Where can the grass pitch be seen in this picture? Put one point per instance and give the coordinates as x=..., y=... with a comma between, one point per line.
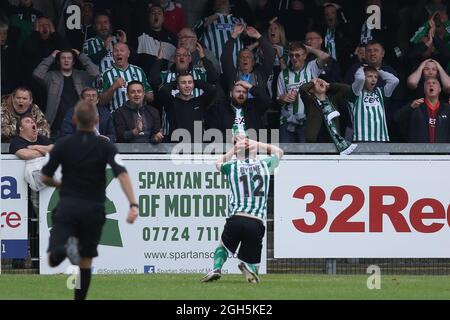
x=229, y=287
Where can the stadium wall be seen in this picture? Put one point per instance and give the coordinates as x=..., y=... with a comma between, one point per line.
x=396, y=264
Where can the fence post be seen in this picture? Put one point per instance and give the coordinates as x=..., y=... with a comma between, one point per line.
x=331, y=266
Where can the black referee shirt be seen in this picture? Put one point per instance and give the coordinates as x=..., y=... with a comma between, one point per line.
x=83, y=158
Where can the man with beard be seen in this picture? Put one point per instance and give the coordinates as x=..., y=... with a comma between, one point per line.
x=64, y=85
x=239, y=114
x=100, y=48
x=184, y=109
x=135, y=121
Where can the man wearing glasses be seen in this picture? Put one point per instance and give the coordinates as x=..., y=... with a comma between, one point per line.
x=289, y=81
x=188, y=39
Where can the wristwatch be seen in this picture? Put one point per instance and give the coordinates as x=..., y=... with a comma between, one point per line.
x=134, y=205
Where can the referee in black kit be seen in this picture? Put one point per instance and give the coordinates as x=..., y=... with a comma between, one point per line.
x=80, y=214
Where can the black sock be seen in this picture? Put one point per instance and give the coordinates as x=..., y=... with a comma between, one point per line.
x=57, y=256
x=85, y=280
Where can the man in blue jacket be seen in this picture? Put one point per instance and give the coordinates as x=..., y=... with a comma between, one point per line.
x=105, y=127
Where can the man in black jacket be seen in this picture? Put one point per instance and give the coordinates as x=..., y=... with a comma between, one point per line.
x=11, y=70
x=22, y=18
x=184, y=109
x=338, y=35
x=41, y=43
x=426, y=120
x=136, y=122
x=332, y=70
x=239, y=114
x=154, y=32
x=183, y=64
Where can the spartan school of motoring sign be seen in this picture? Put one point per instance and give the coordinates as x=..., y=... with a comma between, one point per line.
x=362, y=207
x=183, y=207
x=14, y=209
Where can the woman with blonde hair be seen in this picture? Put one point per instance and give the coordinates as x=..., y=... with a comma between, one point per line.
x=277, y=37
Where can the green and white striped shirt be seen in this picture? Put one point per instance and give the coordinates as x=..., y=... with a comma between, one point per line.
x=249, y=183
x=93, y=46
x=290, y=80
x=216, y=35
x=330, y=42
x=131, y=73
x=239, y=126
x=368, y=115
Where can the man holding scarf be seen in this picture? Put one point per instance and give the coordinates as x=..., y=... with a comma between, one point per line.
x=325, y=106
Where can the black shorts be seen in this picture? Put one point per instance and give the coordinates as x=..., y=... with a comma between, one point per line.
x=83, y=219
x=249, y=233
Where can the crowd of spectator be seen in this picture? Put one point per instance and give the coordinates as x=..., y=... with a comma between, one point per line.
x=238, y=68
